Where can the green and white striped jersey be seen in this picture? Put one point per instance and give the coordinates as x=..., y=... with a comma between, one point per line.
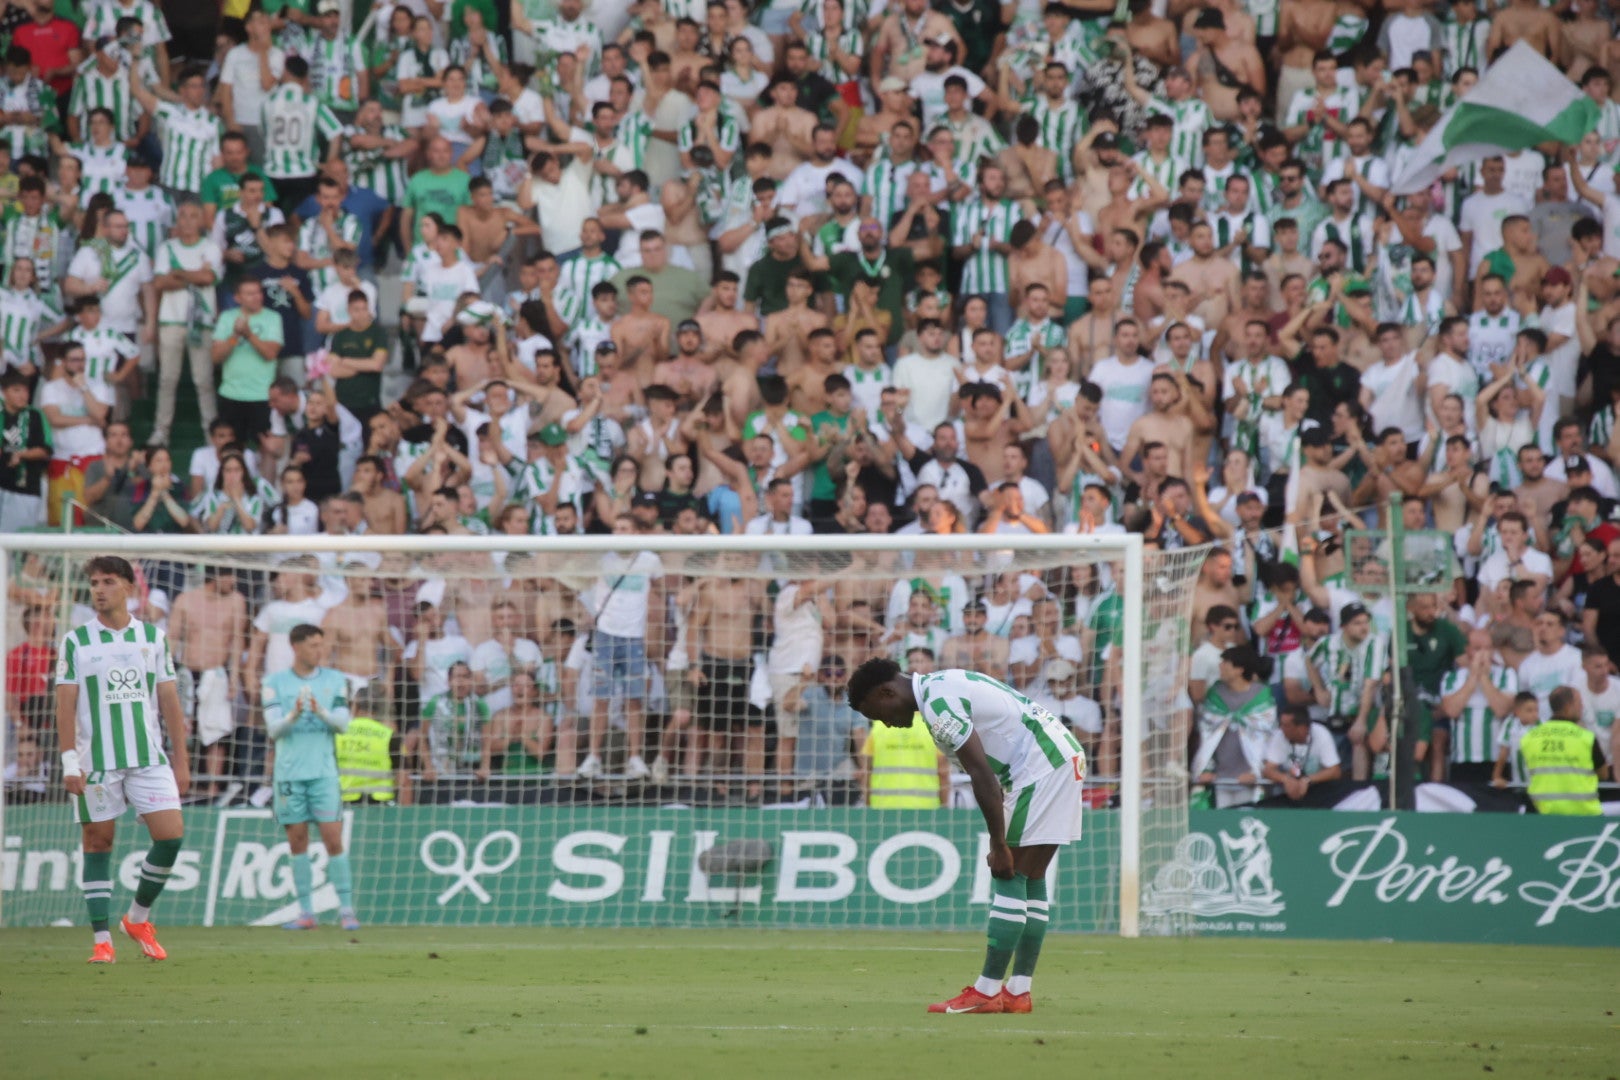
x=1464, y=44
x=1346, y=668
x=190, y=140
x=33, y=97
x=625, y=154
x=1192, y=118
x=22, y=316
x=293, y=118
x=104, y=351
x=1021, y=740
x=373, y=169
x=726, y=133
x=102, y=19
x=118, y=725
x=455, y=730
x=101, y=168
x=1601, y=431
x=820, y=46
x=534, y=480
x=234, y=522
x=313, y=238
x=885, y=184
x=333, y=63
x=150, y=212
x=975, y=139
x=985, y=271
x=93, y=90
x=1062, y=125
x=1254, y=719
x=480, y=72
x=1474, y=731
x=1166, y=172
x=192, y=306
x=38, y=238
x=581, y=274
x=1026, y=337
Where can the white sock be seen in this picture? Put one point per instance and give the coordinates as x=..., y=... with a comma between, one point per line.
x=103, y=937
x=139, y=914
x=1019, y=984
x=987, y=987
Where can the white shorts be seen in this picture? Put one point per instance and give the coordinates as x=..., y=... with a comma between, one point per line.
x=1047, y=811
x=106, y=794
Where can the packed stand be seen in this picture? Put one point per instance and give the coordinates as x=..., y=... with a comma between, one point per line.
x=818, y=268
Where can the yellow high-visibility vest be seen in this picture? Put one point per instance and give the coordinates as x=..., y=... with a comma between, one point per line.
x=905, y=767
x=364, y=764
x=1558, y=759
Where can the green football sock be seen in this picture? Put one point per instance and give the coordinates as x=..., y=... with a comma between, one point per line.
x=304, y=883
x=1006, y=926
x=1029, y=942
x=155, y=870
x=341, y=875
x=98, y=888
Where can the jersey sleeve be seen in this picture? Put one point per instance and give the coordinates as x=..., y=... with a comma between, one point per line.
x=950, y=723
x=165, y=659
x=67, y=667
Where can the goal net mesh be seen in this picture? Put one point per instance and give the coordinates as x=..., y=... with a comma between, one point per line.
x=612, y=737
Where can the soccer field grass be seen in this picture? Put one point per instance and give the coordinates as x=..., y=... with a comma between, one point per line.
x=642, y=1003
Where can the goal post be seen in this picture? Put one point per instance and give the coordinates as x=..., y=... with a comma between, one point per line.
x=1075, y=615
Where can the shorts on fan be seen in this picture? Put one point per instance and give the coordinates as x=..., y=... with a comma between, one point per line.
x=1047, y=811
x=107, y=794
x=298, y=801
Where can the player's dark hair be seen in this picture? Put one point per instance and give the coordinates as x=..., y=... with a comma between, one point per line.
x=110, y=564
x=303, y=632
x=868, y=677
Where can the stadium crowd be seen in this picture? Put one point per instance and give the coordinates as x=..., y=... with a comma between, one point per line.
x=817, y=267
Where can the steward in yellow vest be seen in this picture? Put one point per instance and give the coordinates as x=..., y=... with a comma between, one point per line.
x=1561, y=759
x=904, y=769
x=365, y=764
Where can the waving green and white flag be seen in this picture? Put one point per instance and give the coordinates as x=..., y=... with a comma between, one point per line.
x=1522, y=100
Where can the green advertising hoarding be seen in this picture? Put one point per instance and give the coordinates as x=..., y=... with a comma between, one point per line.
x=1309, y=874
x=567, y=866
x=1411, y=877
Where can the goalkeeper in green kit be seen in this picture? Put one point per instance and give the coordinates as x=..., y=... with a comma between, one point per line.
x=306, y=707
x=1027, y=770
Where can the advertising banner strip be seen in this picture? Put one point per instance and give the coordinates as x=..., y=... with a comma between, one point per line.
x=1309, y=874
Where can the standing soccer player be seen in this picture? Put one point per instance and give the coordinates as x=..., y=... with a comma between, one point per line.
x=1027, y=770
x=306, y=707
x=114, y=676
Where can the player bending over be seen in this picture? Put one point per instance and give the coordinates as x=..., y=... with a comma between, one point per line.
x=1027, y=770
x=306, y=707
x=114, y=678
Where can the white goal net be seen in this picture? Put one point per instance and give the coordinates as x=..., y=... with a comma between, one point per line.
x=634, y=730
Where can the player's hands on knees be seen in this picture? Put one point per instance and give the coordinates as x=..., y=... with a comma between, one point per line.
x=1001, y=862
x=74, y=784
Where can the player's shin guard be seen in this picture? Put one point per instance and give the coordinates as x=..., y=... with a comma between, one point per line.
x=98, y=889
x=1029, y=942
x=155, y=870
x=304, y=883
x=341, y=875
x=1006, y=926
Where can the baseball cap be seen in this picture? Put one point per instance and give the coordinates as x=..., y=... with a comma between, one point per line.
x=1352, y=611
x=1576, y=463
x=553, y=434
x=1316, y=436
x=1556, y=276
x=139, y=161
x=1060, y=669
x=1209, y=19
x=646, y=498
x=942, y=39
x=1357, y=286
x=974, y=605
x=1106, y=141
x=606, y=346
x=891, y=85
x=689, y=324
x=328, y=7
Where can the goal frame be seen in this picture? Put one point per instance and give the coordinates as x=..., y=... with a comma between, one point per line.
x=1126, y=547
